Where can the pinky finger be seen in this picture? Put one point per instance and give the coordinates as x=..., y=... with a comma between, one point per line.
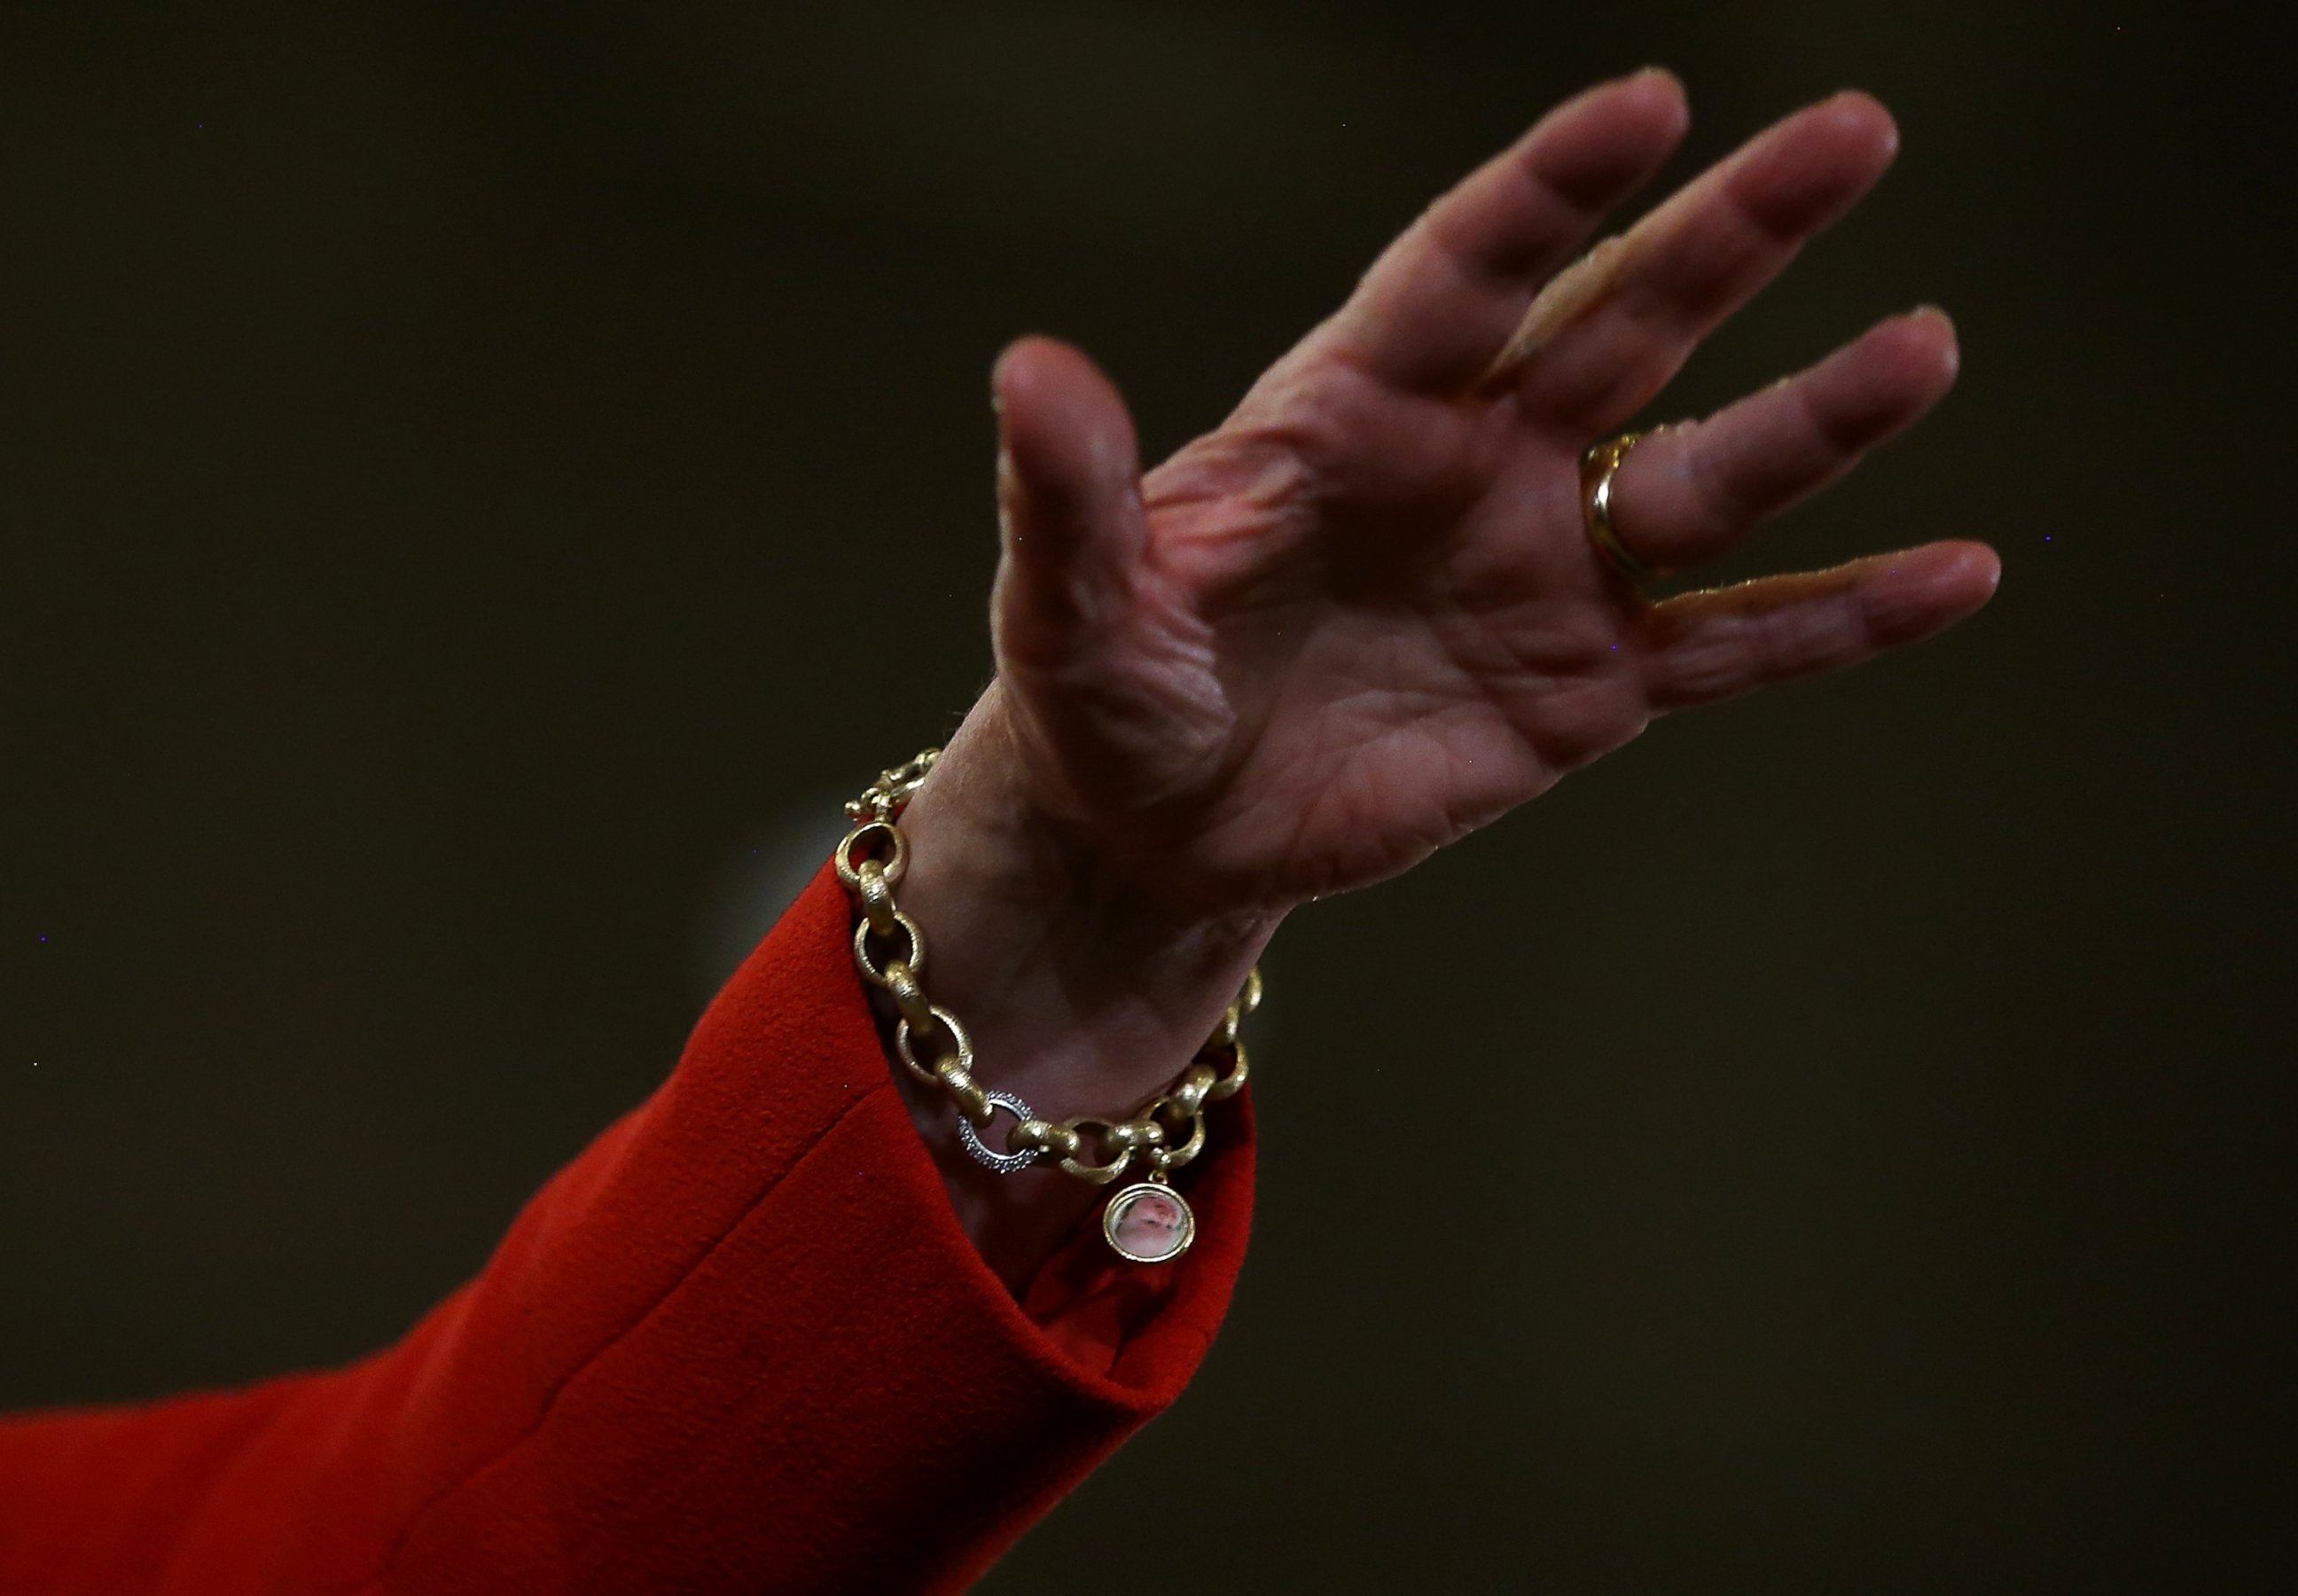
x=1701, y=647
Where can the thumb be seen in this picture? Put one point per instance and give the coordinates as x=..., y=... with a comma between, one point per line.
x=1068, y=501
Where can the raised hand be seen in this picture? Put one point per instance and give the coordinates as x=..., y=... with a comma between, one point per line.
x=1361, y=618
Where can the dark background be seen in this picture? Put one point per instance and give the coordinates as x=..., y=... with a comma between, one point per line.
x=481, y=482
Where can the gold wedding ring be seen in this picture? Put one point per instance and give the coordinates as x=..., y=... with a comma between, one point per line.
x=1598, y=466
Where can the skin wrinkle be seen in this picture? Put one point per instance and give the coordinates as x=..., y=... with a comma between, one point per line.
x=1894, y=617
x=1841, y=429
x=1362, y=761
x=1179, y=685
x=1337, y=807
x=1457, y=446
x=1364, y=568
x=1728, y=268
x=1243, y=470
x=1340, y=752
x=1702, y=667
x=1777, y=644
x=1501, y=274
x=1126, y=711
x=1726, y=508
x=1526, y=654
x=1474, y=648
x=1581, y=204
x=1587, y=196
x=1184, y=648
x=1467, y=266
x=1460, y=264
x=1117, y=1013
x=1661, y=323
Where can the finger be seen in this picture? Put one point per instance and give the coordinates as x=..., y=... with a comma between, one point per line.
x=1706, y=646
x=1690, y=492
x=1608, y=331
x=1440, y=300
x=1068, y=501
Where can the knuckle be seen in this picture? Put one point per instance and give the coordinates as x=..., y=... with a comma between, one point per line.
x=1718, y=505
x=1713, y=662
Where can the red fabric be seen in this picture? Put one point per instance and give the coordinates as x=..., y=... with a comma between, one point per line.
x=740, y=1344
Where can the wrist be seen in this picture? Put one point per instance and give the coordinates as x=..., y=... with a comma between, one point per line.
x=1082, y=993
x=1077, y=983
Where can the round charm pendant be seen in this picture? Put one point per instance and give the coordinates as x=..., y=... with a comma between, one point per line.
x=1148, y=1222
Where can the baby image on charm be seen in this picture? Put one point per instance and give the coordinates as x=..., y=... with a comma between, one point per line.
x=1149, y=1224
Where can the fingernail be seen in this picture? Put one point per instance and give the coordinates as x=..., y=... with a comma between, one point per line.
x=1951, y=351
x=998, y=373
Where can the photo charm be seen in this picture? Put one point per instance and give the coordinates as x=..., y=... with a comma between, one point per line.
x=1148, y=1222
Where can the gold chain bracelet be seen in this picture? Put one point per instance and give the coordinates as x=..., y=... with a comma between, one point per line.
x=1146, y=1222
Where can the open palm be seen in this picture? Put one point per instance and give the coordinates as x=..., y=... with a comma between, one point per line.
x=1363, y=617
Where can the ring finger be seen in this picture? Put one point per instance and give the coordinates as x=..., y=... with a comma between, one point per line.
x=1690, y=492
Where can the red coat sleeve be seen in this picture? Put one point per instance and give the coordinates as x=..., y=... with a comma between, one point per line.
x=739, y=1344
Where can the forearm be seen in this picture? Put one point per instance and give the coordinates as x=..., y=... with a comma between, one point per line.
x=1083, y=992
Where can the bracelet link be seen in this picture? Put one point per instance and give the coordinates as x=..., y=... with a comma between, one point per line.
x=1164, y=1159
x=875, y=889
x=1228, y=1084
x=915, y=958
x=909, y=997
x=1188, y=1094
x=958, y=1082
x=905, y=1049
